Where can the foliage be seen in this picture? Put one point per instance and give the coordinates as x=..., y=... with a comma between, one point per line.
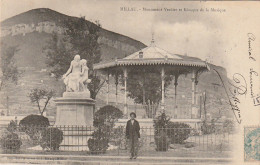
x=161, y=121
x=104, y=121
x=145, y=88
x=162, y=141
x=160, y=133
x=189, y=145
x=229, y=126
x=95, y=85
x=8, y=70
x=32, y=125
x=80, y=37
x=51, y=138
x=98, y=144
x=35, y=121
x=11, y=141
x=178, y=132
x=83, y=37
x=37, y=95
x=12, y=126
x=169, y=132
x=58, y=54
x=107, y=115
x=208, y=128
x=117, y=137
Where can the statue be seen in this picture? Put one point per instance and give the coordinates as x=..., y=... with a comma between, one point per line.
x=84, y=75
x=72, y=76
x=76, y=75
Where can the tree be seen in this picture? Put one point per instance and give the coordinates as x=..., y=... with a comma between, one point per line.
x=39, y=95
x=58, y=54
x=145, y=88
x=8, y=71
x=80, y=37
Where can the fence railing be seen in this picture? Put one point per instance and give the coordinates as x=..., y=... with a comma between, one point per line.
x=113, y=141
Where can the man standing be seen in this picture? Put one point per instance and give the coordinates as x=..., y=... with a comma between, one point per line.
x=132, y=135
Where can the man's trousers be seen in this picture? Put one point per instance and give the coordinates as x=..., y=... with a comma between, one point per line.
x=133, y=145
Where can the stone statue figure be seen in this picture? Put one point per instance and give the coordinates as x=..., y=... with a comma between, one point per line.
x=72, y=76
x=84, y=76
x=76, y=78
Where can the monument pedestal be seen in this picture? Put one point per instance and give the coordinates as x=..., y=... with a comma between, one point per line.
x=75, y=118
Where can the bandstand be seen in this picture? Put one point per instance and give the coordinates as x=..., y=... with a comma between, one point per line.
x=154, y=59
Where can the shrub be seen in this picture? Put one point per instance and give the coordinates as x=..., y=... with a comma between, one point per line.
x=104, y=121
x=161, y=121
x=207, y=128
x=189, y=145
x=174, y=131
x=160, y=135
x=10, y=141
x=228, y=126
x=35, y=120
x=107, y=115
x=117, y=135
x=178, y=132
x=98, y=144
x=32, y=125
x=12, y=126
x=162, y=141
x=51, y=138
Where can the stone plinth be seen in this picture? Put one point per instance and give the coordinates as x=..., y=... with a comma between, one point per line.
x=75, y=118
x=75, y=95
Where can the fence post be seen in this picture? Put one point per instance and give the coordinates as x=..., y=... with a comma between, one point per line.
x=50, y=137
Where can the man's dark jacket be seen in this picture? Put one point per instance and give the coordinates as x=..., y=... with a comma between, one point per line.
x=132, y=130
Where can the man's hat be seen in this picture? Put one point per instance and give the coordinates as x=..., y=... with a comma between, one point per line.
x=132, y=113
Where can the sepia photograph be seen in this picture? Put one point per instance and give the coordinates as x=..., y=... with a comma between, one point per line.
x=129, y=82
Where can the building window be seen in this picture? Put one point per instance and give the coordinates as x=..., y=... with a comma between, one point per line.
x=141, y=55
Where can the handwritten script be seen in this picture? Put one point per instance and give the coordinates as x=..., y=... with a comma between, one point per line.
x=251, y=38
x=237, y=86
x=253, y=74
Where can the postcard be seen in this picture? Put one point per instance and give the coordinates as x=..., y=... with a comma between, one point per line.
x=130, y=82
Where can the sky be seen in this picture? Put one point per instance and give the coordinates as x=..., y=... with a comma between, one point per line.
x=211, y=36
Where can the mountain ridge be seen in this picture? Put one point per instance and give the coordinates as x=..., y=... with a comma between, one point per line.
x=51, y=15
x=44, y=20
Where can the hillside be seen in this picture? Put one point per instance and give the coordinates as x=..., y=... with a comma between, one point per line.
x=32, y=29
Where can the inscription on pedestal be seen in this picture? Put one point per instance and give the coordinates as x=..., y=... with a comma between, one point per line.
x=69, y=117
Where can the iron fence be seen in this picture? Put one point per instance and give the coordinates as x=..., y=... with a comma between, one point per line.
x=164, y=141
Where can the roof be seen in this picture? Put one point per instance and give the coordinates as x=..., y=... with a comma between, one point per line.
x=152, y=55
x=153, y=52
